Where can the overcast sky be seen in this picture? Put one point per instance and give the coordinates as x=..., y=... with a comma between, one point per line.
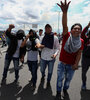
x=41, y=12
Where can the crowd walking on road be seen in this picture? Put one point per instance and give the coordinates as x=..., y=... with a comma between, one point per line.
x=45, y=47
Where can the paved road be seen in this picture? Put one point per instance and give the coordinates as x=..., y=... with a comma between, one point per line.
x=22, y=91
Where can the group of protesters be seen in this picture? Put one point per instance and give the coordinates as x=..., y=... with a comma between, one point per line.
x=74, y=43
x=3, y=39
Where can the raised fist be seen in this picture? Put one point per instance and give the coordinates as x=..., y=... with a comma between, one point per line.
x=11, y=26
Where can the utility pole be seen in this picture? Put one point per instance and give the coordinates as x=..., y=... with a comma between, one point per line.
x=58, y=21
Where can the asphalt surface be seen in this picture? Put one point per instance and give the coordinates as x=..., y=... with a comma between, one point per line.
x=22, y=90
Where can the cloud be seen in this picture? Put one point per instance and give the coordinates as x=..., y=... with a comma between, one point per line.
x=22, y=12
x=25, y=9
x=12, y=1
x=3, y=26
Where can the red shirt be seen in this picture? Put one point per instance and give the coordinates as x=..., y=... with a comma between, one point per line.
x=84, y=37
x=68, y=58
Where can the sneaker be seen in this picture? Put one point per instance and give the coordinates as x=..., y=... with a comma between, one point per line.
x=42, y=79
x=58, y=96
x=83, y=87
x=65, y=92
x=16, y=80
x=3, y=81
x=30, y=80
x=30, y=83
x=33, y=87
x=48, y=84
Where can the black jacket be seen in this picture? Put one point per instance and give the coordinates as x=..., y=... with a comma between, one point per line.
x=86, y=50
x=13, y=44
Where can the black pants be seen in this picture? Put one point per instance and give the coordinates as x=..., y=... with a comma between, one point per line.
x=85, y=67
x=33, y=66
x=40, y=53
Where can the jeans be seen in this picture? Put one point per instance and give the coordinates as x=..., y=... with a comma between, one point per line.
x=64, y=71
x=33, y=66
x=7, y=64
x=44, y=64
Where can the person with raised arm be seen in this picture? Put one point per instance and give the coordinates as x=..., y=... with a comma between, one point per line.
x=72, y=46
x=14, y=52
x=85, y=55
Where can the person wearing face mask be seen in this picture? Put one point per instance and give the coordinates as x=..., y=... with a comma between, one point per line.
x=85, y=55
x=13, y=52
x=32, y=44
x=72, y=46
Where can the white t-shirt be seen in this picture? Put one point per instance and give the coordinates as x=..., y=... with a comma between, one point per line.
x=40, y=38
x=32, y=55
x=16, y=54
x=47, y=53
